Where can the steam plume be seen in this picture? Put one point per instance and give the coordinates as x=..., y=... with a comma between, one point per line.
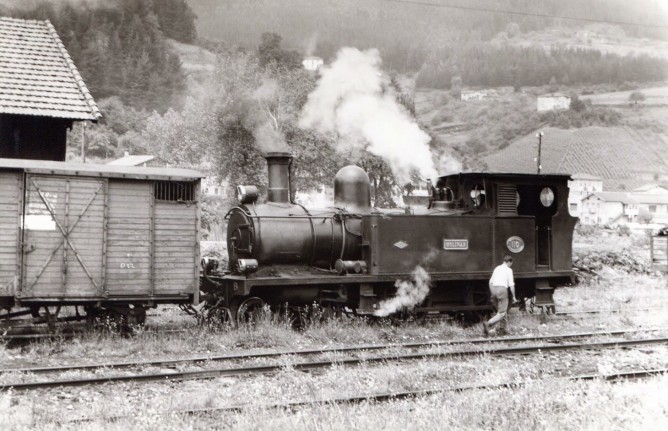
x=409, y=293
x=262, y=119
x=311, y=44
x=353, y=100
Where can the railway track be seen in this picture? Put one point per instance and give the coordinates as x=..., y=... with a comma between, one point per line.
x=389, y=396
x=549, y=346
x=27, y=334
x=396, y=396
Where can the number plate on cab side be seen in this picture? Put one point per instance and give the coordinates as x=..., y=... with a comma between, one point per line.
x=455, y=244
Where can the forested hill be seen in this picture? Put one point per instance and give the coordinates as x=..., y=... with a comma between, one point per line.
x=407, y=32
x=120, y=46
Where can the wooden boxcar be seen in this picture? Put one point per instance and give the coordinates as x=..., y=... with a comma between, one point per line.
x=97, y=235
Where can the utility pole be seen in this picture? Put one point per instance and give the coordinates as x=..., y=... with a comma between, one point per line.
x=539, y=135
x=83, y=142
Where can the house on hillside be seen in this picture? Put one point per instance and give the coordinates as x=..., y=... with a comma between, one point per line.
x=616, y=208
x=312, y=63
x=581, y=186
x=469, y=95
x=654, y=207
x=608, y=209
x=652, y=189
x=212, y=186
x=552, y=102
x=42, y=93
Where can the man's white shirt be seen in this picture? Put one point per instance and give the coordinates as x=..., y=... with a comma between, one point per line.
x=502, y=276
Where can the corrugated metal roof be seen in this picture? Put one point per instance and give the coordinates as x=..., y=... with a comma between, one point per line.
x=132, y=160
x=631, y=198
x=37, y=75
x=644, y=198
x=586, y=177
x=95, y=170
x=624, y=198
x=617, y=155
x=553, y=95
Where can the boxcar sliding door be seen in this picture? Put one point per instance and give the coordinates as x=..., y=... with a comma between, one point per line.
x=130, y=238
x=63, y=230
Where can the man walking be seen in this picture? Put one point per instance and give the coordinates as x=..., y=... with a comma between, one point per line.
x=501, y=281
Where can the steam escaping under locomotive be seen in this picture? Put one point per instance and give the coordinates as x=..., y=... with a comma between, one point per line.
x=356, y=258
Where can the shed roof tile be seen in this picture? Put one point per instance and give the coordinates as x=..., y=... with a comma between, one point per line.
x=37, y=74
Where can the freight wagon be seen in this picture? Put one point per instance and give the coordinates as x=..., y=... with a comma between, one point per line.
x=107, y=238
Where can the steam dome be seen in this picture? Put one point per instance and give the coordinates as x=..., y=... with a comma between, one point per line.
x=352, y=189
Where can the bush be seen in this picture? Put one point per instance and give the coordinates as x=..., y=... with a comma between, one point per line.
x=586, y=229
x=636, y=96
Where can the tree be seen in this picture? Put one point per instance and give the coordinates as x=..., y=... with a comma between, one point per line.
x=636, y=96
x=553, y=84
x=577, y=105
x=270, y=52
x=383, y=183
x=456, y=87
x=177, y=20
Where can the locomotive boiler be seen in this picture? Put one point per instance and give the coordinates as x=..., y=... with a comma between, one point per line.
x=261, y=237
x=352, y=257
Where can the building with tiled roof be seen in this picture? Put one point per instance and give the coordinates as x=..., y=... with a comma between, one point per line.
x=613, y=208
x=608, y=208
x=579, y=187
x=41, y=91
x=623, y=158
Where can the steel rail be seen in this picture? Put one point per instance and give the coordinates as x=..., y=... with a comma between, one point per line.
x=309, y=366
x=635, y=310
x=392, y=396
x=396, y=396
x=345, y=349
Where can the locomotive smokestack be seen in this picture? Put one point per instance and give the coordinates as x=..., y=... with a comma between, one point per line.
x=279, y=178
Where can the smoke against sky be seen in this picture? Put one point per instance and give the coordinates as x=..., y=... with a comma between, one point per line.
x=354, y=101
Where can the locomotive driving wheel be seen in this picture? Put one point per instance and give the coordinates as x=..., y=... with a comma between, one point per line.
x=249, y=310
x=216, y=316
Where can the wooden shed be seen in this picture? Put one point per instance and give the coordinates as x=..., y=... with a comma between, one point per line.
x=42, y=93
x=74, y=233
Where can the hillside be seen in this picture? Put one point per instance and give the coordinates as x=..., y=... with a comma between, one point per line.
x=622, y=157
x=610, y=39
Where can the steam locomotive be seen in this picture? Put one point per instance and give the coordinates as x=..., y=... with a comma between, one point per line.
x=351, y=257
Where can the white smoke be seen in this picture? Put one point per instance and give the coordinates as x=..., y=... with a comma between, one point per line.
x=409, y=293
x=353, y=100
x=311, y=44
x=262, y=118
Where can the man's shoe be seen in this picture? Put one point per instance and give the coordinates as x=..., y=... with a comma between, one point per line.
x=485, y=328
x=502, y=331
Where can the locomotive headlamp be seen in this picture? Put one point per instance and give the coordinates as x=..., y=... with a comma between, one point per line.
x=247, y=266
x=546, y=196
x=247, y=194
